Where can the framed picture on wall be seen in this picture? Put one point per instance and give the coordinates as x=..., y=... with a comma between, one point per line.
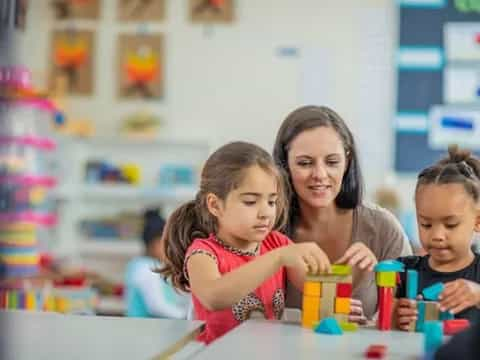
x=76, y=9
x=71, y=57
x=140, y=66
x=211, y=11
x=141, y=10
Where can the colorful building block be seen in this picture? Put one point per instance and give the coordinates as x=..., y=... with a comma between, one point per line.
x=385, y=308
x=342, y=305
x=432, y=292
x=348, y=326
x=451, y=327
x=446, y=315
x=412, y=284
x=376, y=352
x=432, y=312
x=389, y=265
x=310, y=311
x=420, y=317
x=433, y=335
x=327, y=302
x=325, y=278
x=311, y=288
x=341, y=269
x=386, y=279
x=329, y=326
x=344, y=290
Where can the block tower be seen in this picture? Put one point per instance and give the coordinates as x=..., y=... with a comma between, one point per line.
x=386, y=279
x=327, y=295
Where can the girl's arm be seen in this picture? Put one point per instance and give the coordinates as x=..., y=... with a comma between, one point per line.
x=216, y=291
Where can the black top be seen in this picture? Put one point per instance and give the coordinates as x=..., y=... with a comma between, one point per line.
x=465, y=345
x=428, y=276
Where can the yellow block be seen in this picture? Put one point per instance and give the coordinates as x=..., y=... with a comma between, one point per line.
x=310, y=311
x=342, y=305
x=61, y=304
x=30, y=300
x=341, y=269
x=49, y=304
x=386, y=279
x=311, y=288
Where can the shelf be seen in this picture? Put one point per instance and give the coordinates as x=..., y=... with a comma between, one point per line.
x=109, y=247
x=125, y=192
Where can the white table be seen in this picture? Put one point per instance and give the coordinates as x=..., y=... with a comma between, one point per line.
x=41, y=335
x=275, y=340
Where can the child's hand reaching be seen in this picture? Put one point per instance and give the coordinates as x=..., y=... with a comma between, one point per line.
x=358, y=254
x=306, y=257
x=405, y=313
x=356, y=312
x=459, y=295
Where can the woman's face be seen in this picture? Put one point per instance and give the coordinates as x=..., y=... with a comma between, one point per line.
x=317, y=162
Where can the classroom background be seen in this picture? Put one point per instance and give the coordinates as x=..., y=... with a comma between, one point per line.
x=118, y=103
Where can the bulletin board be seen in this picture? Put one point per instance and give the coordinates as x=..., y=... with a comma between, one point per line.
x=438, y=80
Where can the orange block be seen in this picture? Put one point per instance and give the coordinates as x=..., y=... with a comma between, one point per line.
x=310, y=311
x=311, y=288
x=342, y=305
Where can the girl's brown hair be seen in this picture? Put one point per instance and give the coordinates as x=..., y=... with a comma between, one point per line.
x=223, y=172
x=459, y=167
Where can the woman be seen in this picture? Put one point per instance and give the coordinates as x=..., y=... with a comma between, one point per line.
x=317, y=152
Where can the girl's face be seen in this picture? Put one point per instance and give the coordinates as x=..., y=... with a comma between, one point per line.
x=447, y=217
x=317, y=162
x=248, y=213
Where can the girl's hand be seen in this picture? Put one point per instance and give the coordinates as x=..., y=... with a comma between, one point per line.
x=356, y=312
x=358, y=254
x=459, y=295
x=307, y=257
x=405, y=313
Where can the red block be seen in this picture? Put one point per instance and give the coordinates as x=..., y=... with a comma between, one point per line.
x=3, y=299
x=451, y=327
x=385, y=308
x=344, y=290
x=376, y=352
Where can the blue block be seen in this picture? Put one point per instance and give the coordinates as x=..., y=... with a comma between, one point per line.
x=432, y=292
x=389, y=265
x=412, y=284
x=433, y=335
x=446, y=315
x=421, y=316
x=329, y=326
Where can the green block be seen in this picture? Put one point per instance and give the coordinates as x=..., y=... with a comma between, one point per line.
x=348, y=326
x=341, y=269
x=386, y=279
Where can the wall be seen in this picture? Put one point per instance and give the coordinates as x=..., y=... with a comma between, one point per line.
x=239, y=81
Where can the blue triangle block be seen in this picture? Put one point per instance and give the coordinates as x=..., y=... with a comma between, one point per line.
x=432, y=292
x=328, y=326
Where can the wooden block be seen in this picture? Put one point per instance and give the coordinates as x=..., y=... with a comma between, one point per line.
x=412, y=284
x=376, y=352
x=344, y=290
x=312, y=288
x=341, y=318
x=386, y=279
x=421, y=316
x=310, y=311
x=385, y=308
x=30, y=300
x=431, y=311
x=341, y=269
x=342, y=305
x=348, y=326
x=327, y=302
x=453, y=326
x=330, y=278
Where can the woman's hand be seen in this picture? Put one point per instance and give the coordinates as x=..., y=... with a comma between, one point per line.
x=356, y=312
x=459, y=295
x=358, y=255
x=307, y=257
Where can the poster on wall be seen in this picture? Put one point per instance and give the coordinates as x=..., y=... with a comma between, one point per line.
x=76, y=9
x=71, y=57
x=211, y=11
x=140, y=66
x=141, y=10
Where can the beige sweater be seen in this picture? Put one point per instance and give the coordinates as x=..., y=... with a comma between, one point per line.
x=382, y=233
